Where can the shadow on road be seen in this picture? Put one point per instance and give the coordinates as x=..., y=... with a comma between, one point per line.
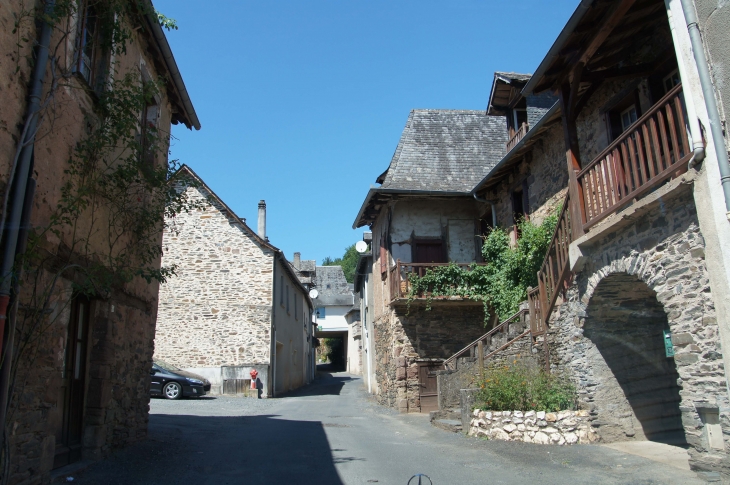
x=217, y=450
x=325, y=384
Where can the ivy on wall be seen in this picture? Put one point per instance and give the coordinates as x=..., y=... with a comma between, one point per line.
x=501, y=284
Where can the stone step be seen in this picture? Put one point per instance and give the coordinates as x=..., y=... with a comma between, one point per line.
x=452, y=425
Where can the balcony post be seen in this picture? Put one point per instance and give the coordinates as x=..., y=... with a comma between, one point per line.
x=572, y=155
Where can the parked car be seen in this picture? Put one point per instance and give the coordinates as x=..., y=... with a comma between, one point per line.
x=168, y=381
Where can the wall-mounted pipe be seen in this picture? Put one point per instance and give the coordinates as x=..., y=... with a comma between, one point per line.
x=698, y=147
x=490, y=202
x=709, y=93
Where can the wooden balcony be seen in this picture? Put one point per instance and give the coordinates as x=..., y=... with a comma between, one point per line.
x=399, y=277
x=655, y=148
x=521, y=132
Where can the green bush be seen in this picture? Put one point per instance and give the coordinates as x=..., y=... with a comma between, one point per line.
x=521, y=388
x=502, y=283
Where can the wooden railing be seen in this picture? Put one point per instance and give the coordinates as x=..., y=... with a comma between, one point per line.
x=486, y=341
x=521, y=132
x=652, y=150
x=554, y=272
x=400, y=283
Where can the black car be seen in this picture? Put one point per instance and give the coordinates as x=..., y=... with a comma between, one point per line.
x=172, y=383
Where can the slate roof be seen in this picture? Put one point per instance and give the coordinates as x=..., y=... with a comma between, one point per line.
x=513, y=76
x=446, y=150
x=332, y=286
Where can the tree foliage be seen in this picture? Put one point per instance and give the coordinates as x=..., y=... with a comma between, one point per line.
x=348, y=262
x=501, y=284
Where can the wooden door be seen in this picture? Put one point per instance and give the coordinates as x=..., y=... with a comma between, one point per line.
x=429, y=252
x=69, y=427
x=428, y=386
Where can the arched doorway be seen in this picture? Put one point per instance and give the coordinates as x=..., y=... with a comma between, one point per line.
x=637, y=395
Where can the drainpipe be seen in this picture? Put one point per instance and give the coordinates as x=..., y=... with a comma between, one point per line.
x=698, y=148
x=710, y=101
x=13, y=223
x=490, y=202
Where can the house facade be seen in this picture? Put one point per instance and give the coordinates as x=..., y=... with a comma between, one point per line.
x=631, y=299
x=422, y=216
x=78, y=333
x=235, y=304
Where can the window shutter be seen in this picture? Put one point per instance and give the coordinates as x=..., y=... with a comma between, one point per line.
x=383, y=256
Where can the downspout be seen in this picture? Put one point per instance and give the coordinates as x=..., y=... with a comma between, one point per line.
x=272, y=351
x=698, y=147
x=710, y=101
x=19, y=182
x=490, y=202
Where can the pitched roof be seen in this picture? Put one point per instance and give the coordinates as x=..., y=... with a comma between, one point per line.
x=332, y=286
x=506, y=88
x=185, y=175
x=446, y=150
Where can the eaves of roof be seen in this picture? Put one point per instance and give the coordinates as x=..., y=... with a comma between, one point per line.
x=532, y=135
x=557, y=46
x=359, y=222
x=191, y=117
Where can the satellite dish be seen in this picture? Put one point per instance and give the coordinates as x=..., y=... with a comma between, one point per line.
x=361, y=246
x=313, y=293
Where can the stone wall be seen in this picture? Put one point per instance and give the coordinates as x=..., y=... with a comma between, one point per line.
x=561, y=428
x=641, y=278
x=121, y=324
x=216, y=311
x=467, y=372
x=403, y=340
x=547, y=179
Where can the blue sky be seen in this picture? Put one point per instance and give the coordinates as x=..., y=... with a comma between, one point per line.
x=302, y=103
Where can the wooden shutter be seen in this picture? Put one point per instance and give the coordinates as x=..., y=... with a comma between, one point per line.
x=383, y=256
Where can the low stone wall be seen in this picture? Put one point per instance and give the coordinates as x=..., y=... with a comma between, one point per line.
x=562, y=428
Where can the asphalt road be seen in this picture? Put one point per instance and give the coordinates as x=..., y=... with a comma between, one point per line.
x=331, y=432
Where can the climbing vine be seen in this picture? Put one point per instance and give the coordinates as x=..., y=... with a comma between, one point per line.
x=108, y=211
x=501, y=284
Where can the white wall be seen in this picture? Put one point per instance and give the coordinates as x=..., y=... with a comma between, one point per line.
x=334, y=319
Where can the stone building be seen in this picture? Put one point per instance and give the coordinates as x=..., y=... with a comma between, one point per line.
x=235, y=303
x=632, y=296
x=423, y=215
x=80, y=386
x=333, y=304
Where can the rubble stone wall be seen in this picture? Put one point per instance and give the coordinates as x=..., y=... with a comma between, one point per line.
x=561, y=428
x=216, y=311
x=657, y=261
x=406, y=338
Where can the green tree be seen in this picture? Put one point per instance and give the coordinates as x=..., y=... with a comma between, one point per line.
x=348, y=262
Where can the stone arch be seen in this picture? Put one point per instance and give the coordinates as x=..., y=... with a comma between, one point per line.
x=637, y=394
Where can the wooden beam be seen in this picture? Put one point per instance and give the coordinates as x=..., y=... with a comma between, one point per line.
x=585, y=97
x=607, y=25
x=638, y=70
x=572, y=155
x=574, y=87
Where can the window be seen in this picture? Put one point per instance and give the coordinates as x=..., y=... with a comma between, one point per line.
x=281, y=291
x=287, y=298
x=320, y=313
x=628, y=116
x=296, y=304
x=428, y=251
x=670, y=81
x=91, y=59
x=622, y=115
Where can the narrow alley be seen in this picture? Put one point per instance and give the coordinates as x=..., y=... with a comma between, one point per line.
x=331, y=433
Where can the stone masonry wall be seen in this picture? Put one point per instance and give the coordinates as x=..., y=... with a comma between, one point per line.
x=660, y=256
x=402, y=341
x=561, y=428
x=217, y=310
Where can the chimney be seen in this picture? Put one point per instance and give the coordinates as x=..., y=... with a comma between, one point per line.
x=262, y=219
x=297, y=260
